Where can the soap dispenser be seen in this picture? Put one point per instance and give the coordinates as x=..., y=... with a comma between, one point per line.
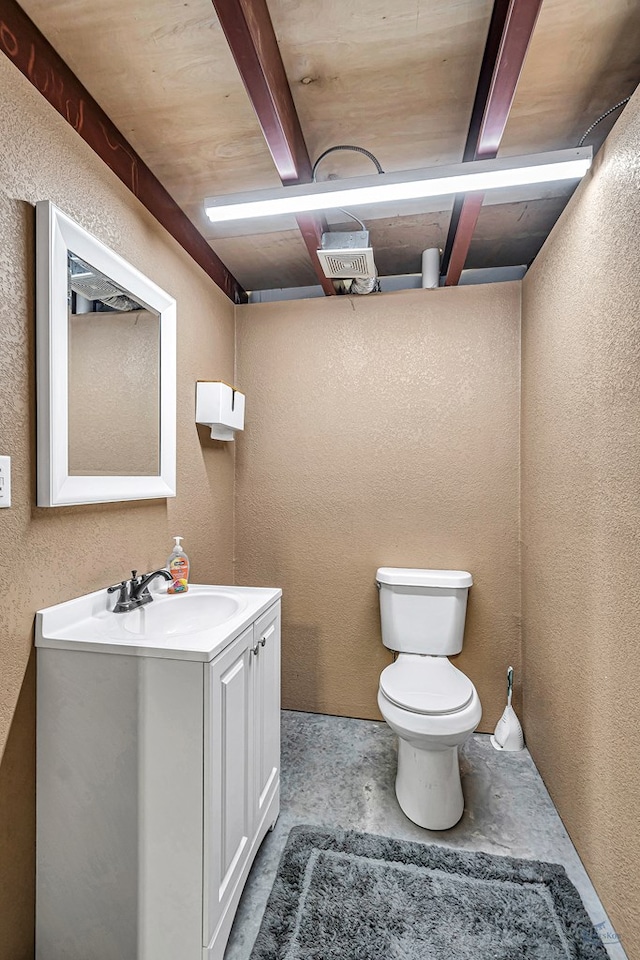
x=178, y=567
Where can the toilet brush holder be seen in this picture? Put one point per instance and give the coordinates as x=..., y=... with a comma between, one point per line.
x=508, y=733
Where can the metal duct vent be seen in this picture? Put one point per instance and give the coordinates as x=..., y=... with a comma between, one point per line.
x=347, y=255
x=89, y=283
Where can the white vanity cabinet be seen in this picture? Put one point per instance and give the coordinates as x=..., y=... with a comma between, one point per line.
x=158, y=778
x=242, y=765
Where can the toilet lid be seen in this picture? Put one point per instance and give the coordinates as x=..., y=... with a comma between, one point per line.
x=427, y=685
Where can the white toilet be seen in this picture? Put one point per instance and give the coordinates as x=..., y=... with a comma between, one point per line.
x=430, y=704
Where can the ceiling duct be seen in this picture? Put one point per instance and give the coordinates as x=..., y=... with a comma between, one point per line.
x=96, y=289
x=347, y=256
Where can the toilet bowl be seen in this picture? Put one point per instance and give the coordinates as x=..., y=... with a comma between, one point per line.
x=431, y=706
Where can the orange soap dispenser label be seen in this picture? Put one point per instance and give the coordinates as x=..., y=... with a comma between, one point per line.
x=179, y=570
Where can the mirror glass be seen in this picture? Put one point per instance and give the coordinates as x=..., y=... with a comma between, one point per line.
x=114, y=377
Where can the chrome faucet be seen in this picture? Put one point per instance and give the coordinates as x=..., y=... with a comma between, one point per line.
x=134, y=593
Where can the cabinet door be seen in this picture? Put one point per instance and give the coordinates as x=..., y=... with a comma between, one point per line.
x=229, y=772
x=267, y=709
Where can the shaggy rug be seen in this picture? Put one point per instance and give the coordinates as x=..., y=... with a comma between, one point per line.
x=341, y=895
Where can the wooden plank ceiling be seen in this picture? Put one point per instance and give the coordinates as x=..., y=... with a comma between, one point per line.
x=395, y=76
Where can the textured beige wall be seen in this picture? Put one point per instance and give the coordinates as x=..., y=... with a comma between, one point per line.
x=381, y=431
x=56, y=554
x=581, y=520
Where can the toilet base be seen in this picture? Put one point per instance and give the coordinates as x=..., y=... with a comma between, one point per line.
x=428, y=786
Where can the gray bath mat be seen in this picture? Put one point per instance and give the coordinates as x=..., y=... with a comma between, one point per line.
x=341, y=895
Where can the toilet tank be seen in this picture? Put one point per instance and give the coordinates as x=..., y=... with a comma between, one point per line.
x=423, y=611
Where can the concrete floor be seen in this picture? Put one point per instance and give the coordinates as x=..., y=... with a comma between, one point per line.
x=340, y=772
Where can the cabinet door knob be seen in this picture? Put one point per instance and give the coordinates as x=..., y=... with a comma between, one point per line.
x=256, y=649
x=272, y=629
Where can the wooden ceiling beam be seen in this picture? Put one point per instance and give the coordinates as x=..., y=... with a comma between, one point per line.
x=249, y=31
x=33, y=55
x=510, y=31
x=489, y=58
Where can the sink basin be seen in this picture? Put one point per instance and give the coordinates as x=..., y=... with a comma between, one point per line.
x=192, y=626
x=177, y=615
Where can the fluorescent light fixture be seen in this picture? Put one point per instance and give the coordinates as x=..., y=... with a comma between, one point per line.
x=477, y=175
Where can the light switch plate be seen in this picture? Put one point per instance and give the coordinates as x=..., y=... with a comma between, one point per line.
x=5, y=481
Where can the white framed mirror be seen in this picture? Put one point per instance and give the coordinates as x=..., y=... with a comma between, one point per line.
x=106, y=371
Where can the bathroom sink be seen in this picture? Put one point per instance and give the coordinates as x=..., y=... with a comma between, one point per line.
x=192, y=626
x=177, y=615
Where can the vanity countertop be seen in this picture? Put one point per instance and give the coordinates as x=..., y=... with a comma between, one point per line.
x=195, y=625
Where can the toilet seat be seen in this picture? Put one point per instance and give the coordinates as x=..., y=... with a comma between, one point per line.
x=430, y=686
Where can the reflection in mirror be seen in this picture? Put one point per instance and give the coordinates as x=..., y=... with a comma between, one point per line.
x=114, y=377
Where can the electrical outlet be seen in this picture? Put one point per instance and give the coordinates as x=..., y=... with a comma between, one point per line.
x=5, y=481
